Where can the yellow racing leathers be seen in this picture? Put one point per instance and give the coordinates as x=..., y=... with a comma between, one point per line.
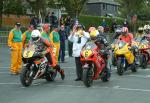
x=25, y=38
x=15, y=43
x=55, y=39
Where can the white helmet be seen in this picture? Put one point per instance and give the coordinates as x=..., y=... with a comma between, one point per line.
x=35, y=35
x=146, y=27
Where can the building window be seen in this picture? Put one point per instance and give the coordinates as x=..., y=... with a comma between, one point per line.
x=115, y=8
x=104, y=6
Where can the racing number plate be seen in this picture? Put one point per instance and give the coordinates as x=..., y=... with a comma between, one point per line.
x=87, y=53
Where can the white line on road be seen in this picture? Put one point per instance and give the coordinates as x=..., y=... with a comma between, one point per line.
x=114, y=87
x=82, y=86
x=9, y=83
x=141, y=76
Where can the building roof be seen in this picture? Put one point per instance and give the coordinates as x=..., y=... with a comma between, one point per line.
x=104, y=1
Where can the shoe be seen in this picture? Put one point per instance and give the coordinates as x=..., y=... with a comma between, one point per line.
x=78, y=79
x=62, y=73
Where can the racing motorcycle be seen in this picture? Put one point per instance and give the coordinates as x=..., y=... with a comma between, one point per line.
x=93, y=64
x=144, y=52
x=125, y=58
x=35, y=67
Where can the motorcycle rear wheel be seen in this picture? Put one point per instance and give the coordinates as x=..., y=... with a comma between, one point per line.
x=50, y=76
x=88, y=77
x=25, y=78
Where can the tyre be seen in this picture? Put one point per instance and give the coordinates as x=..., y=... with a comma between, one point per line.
x=120, y=68
x=51, y=75
x=88, y=77
x=134, y=69
x=143, y=61
x=106, y=76
x=113, y=60
x=25, y=78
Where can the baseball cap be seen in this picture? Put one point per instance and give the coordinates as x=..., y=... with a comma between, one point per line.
x=18, y=24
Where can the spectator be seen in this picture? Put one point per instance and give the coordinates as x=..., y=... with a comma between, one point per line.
x=55, y=39
x=61, y=21
x=34, y=21
x=125, y=23
x=45, y=32
x=70, y=44
x=63, y=36
x=54, y=21
x=47, y=18
x=104, y=24
x=26, y=36
x=114, y=25
x=68, y=24
x=101, y=31
x=79, y=37
x=15, y=45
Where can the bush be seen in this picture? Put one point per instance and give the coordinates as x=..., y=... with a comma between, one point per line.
x=96, y=21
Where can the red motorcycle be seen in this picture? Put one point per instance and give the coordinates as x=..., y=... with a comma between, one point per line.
x=144, y=51
x=94, y=64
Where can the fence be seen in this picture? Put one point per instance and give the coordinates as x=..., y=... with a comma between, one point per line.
x=3, y=37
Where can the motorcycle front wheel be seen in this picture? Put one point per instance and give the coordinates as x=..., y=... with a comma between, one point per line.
x=88, y=77
x=120, y=68
x=106, y=76
x=25, y=78
x=143, y=61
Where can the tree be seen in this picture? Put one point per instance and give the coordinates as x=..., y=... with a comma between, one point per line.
x=130, y=7
x=73, y=7
x=1, y=11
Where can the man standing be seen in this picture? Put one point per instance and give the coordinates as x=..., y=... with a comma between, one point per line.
x=15, y=45
x=34, y=21
x=125, y=23
x=27, y=35
x=114, y=25
x=54, y=21
x=63, y=36
x=79, y=37
x=45, y=33
x=55, y=39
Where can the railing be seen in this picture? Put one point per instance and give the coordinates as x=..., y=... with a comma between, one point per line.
x=3, y=37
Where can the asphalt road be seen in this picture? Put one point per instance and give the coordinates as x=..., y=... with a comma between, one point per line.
x=129, y=88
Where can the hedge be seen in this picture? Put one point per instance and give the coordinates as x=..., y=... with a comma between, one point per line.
x=96, y=21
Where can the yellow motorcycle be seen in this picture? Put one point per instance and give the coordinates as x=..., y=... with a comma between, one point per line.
x=35, y=67
x=125, y=58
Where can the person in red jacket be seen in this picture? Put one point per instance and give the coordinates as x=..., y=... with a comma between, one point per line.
x=126, y=36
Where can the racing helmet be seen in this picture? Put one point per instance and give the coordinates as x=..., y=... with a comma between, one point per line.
x=140, y=30
x=125, y=30
x=35, y=35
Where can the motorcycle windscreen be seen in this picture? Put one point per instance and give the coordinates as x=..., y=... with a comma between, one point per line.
x=29, y=51
x=87, y=50
x=89, y=46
